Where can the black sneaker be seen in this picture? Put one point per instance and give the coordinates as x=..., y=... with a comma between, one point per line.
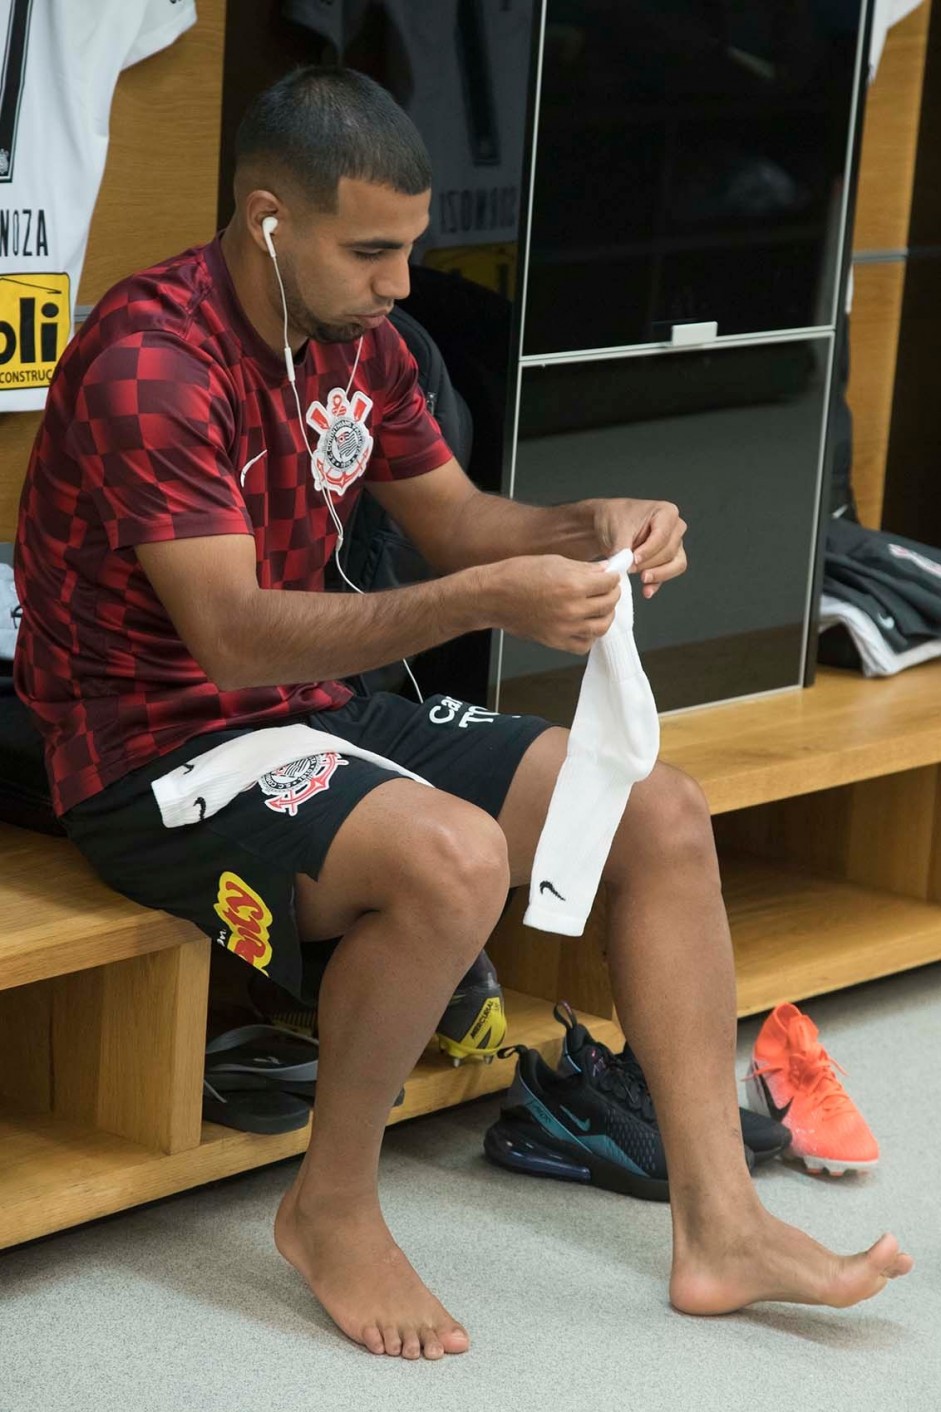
x=576, y=1127
x=763, y=1138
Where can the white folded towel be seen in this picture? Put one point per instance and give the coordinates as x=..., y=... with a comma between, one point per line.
x=204, y=785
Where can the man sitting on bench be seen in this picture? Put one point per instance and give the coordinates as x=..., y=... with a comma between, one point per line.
x=171, y=550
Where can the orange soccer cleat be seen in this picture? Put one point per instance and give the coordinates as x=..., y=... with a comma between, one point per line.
x=791, y=1079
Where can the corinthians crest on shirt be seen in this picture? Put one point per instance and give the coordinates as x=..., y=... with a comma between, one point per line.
x=290, y=785
x=345, y=444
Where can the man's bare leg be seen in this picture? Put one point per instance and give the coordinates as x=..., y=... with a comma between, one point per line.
x=415, y=882
x=672, y=974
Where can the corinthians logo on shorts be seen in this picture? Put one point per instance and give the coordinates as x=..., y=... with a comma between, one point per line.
x=289, y=785
x=345, y=444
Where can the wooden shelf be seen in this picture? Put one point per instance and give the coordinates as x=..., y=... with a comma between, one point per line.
x=843, y=728
x=798, y=935
x=59, y=918
x=55, y=1174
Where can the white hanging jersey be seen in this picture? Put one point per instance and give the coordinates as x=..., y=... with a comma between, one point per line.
x=61, y=60
x=886, y=13
x=470, y=82
x=463, y=70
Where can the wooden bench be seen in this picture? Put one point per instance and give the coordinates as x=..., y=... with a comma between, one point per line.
x=828, y=821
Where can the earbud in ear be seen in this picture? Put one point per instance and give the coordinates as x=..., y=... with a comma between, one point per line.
x=268, y=225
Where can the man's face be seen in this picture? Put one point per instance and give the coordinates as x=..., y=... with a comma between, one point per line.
x=343, y=271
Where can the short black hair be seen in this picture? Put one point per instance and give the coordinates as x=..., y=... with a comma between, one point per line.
x=320, y=124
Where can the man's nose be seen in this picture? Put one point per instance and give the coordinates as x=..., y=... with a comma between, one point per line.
x=393, y=282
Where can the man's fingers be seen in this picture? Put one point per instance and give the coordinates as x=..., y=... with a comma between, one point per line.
x=653, y=578
x=671, y=570
x=659, y=529
x=600, y=606
x=664, y=536
x=583, y=642
x=601, y=581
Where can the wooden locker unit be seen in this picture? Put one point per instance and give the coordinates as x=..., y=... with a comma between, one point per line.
x=826, y=805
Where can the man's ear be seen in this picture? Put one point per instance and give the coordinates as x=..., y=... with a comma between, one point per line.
x=262, y=206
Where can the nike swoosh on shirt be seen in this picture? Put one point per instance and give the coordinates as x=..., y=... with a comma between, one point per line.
x=885, y=620
x=248, y=465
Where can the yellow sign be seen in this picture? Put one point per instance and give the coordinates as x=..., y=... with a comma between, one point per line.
x=493, y=266
x=35, y=322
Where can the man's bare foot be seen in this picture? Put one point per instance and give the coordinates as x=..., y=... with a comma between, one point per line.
x=355, y=1269
x=774, y=1261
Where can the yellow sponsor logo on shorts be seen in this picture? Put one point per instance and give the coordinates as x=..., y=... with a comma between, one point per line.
x=248, y=919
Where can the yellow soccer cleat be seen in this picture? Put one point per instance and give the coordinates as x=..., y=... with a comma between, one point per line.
x=474, y=1024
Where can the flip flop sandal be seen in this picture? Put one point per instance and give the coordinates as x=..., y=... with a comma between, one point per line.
x=241, y=1083
x=264, y=1082
x=258, y=1111
x=256, y=1050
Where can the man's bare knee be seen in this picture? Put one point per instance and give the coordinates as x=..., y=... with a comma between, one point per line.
x=406, y=846
x=667, y=821
x=461, y=861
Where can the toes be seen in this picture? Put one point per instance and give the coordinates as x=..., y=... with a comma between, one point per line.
x=454, y=1339
x=431, y=1343
x=884, y=1253
x=372, y=1339
x=392, y=1340
x=886, y=1257
x=411, y=1344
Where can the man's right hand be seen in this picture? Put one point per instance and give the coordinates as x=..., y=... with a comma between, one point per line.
x=561, y=603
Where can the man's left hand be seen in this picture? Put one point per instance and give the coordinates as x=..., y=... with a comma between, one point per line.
x=653, y=529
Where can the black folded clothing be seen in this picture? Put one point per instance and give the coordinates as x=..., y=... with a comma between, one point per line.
x=895, y=581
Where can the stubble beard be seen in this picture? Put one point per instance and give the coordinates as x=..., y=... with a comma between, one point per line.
x=303, y=318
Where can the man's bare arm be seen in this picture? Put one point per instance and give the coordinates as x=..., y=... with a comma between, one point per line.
x=454, y=525
x=245, y=636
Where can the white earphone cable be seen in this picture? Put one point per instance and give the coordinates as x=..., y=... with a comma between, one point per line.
x=322, y=487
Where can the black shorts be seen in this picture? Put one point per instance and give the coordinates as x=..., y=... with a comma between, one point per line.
x=233, y=873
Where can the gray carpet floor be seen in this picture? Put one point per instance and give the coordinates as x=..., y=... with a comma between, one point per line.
x=186, y=1305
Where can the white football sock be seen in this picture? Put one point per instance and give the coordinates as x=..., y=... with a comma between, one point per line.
x=614, y=742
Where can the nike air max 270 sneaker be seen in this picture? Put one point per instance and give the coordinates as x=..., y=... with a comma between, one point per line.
x=791, y=1078
x=576, y=1128
x=762, y=1136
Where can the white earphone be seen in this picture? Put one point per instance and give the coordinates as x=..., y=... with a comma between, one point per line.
x=268, y=226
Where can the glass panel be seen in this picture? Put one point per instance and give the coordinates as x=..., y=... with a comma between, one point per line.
x=731, y=436
x=690, y=167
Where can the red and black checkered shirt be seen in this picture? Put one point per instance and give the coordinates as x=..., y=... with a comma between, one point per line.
x=168, y=418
